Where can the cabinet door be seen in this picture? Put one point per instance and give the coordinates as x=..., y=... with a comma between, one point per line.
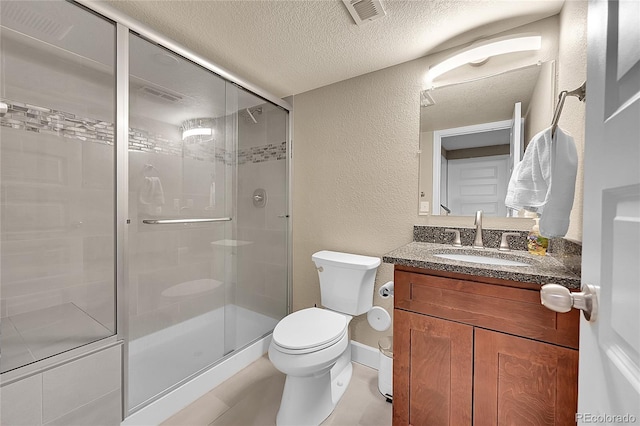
x=522, y=382
x=432, y=376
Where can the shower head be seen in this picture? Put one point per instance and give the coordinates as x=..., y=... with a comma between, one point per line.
x=252, y=117
x=251, y=114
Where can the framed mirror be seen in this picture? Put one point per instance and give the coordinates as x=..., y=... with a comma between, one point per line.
x=473, y=133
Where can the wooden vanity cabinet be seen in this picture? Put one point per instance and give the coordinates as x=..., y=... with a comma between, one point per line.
x=480, y=351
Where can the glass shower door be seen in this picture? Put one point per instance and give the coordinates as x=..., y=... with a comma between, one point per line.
x=179, y=174
x=57, y=211
x=260, y=246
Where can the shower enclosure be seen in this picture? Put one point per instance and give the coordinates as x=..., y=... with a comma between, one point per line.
x=207, y=265
x=144, y=200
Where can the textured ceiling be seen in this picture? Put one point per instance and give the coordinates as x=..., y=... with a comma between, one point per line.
x=480, y=101
x=290, y=47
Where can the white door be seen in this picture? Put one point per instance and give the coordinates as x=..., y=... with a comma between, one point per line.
x=609, y=378
x=444, y=167
x=517, y=137
x=478, y=183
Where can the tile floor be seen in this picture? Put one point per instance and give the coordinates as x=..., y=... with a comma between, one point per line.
x=252, y=397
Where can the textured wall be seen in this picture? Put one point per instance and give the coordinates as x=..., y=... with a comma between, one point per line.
x=356, y=175
x=572, y=72
x=542, y=103
x=355, y=183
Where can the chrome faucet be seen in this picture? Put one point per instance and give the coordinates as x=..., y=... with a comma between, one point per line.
x=456, y=237
x=477, y=242
x=504, y=242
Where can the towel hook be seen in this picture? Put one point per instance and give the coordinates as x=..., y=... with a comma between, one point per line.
x=149, y=167
x=580, y=93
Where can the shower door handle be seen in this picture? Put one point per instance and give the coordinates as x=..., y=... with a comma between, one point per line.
x=178, y=221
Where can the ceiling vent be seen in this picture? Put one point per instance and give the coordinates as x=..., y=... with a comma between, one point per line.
x=37, y=19
x=364, y=11
x=160, y=94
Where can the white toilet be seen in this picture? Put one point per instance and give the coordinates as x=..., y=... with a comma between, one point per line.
x=311, y=346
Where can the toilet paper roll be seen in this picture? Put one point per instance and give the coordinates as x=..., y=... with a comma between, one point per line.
x=378, y=318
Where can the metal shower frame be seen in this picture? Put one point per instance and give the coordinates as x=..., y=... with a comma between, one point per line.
x=124, y=26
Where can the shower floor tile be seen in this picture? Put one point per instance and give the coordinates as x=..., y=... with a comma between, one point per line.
x=252, y=397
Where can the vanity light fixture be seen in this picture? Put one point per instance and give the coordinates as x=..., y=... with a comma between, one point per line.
x=482, y=51
x=197, y=127
x=198, y=131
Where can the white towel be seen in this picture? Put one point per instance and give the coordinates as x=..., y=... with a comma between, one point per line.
x=151, y=191
x=544, y=181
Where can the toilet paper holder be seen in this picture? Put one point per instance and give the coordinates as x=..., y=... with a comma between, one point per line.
x=386, y=290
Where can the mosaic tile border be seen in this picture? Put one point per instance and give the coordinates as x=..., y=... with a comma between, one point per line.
x=262, y=153
x=38, y=119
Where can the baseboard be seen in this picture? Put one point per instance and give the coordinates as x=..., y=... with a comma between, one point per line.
x=365, y=355
x=160, y=410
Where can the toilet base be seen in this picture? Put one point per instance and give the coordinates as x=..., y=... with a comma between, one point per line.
x=308, y=401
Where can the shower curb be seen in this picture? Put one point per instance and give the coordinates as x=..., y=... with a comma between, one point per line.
x=160, y=410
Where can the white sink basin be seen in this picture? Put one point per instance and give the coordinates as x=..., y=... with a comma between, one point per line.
x=481, y=259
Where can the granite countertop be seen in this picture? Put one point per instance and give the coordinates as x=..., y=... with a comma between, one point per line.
x=543, y=269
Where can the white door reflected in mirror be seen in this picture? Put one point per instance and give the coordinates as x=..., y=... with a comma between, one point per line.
x=474, y=168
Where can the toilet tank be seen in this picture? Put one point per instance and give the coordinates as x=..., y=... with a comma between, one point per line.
x=346, y=281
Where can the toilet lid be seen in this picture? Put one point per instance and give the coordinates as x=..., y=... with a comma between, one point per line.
x=309, y=328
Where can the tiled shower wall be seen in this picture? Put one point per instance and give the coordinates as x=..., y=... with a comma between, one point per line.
x=57, y=232
x=86, y=391
x=46, y=227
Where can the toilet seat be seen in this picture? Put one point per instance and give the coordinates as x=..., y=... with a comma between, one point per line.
x=309, y=330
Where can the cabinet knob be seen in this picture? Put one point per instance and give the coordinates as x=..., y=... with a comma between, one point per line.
x=560, y=299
